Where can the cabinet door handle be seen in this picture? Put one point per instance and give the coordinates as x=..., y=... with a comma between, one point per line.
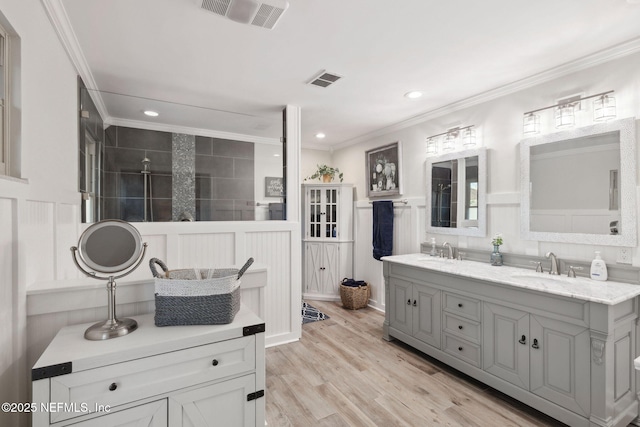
x=113, y=386
x=459, y=348
x=535, y=344
x=415, y=303
x=460, y=305
x=460, y=327
x=214, y=362
x=523, y=340
x=409, y=301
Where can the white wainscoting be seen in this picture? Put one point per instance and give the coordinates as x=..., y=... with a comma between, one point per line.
x=408, y=232
x=58, y=296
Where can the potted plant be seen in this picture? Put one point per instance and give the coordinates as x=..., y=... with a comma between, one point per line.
x=326, y=173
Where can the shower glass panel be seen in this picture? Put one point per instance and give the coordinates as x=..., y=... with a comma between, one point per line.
x=152, y=175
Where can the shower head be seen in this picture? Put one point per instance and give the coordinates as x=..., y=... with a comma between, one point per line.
x=145, y=165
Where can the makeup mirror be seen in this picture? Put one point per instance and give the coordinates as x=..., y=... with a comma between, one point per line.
x=578, y=186
x=113, y=247
x=456, y=193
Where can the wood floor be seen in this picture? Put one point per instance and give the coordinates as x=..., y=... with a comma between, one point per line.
x=342, y=373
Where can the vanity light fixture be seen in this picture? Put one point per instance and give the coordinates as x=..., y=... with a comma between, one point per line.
x=432, y=145
x=151, y=113
x=531, y=124
x=469, y=137
x=451, y=138
x=604, y=108
x=565, y=115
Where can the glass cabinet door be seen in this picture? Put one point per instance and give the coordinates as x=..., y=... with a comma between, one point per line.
x=322, y=216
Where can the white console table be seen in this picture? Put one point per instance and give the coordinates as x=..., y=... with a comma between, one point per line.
x=155, y=376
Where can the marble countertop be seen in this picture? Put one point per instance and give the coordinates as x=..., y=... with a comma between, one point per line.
x=607, y=292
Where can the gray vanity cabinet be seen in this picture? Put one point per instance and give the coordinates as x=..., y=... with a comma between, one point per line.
x=569, y=357
x=416, y=310
x=545, y=356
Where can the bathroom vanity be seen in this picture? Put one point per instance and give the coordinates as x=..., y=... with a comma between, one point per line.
x=564, y=346
x=169, y=376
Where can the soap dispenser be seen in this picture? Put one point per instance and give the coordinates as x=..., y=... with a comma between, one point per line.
x=433, y=247
x=598, y=268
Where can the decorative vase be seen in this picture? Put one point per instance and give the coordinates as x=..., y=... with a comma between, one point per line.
x=327, y=178
x=496, y=256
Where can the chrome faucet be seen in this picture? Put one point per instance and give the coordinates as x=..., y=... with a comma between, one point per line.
x=554, y=263
x=450, y=249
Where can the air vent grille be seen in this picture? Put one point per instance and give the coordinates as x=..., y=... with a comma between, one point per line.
x=219, y=7
x=325, y=79
x=267, y=16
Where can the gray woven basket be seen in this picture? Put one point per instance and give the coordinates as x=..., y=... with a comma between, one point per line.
x=199, y=310
x=190, y=300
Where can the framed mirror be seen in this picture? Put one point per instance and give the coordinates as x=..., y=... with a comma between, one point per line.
x=579, y=186
x=457, y=192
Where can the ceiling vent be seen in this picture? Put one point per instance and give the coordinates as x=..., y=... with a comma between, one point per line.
x=325, y=79
x=265, y=14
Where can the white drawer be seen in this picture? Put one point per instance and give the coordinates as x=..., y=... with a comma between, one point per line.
x=462, y=306
x=141, y=378
x=462, y=349
x=464, y=328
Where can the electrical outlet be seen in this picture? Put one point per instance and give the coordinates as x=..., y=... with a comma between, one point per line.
x=624, y=256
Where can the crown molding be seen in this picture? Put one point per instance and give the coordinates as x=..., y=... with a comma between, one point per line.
x=138, y=124
x=603, y=56
x=60, y=20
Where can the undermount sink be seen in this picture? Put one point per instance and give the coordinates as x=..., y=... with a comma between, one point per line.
x=434, y=259
x=544, y=277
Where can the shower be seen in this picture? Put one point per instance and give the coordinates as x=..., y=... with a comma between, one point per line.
x=439, y=204
x=146, y=178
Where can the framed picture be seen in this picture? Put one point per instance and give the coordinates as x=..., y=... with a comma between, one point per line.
x=384, y=171
x=272, y=186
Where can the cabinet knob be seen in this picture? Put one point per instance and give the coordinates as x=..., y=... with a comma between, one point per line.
x=415, y=303
x=460, y=305
x=459, y=348
x=214, y=362
x=409, y=301
x=460, y=327
x=535, y=344
x=113, y=386
x=523, y=340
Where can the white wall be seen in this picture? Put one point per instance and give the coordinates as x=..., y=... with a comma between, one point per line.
x=46, y=203
x=499, y=124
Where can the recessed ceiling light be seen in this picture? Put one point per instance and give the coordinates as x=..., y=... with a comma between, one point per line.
x=413, y=94
x=151, y=113
x=320, y=135
x=276, y=155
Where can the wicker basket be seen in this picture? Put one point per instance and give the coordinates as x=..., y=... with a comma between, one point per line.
x=196, y=297
x=354, y=297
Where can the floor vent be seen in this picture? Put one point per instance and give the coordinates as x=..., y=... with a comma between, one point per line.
x=325, y=79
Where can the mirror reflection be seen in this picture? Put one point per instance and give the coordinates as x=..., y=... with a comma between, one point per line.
x=456, y=193
x=574, y=185
x=170, y=167
x=579, y=186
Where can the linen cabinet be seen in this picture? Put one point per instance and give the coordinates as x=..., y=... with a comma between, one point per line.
x=327, y=238
x=204, y=375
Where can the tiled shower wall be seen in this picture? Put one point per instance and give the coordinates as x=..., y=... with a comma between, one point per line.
x=224, y=176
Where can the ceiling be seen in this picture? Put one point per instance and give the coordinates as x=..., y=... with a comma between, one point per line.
x=451, y=50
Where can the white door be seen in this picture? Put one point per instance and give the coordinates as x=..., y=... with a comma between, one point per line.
x=153, y=414
x=331, y=268
x=223, y=404
x=313, y=258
